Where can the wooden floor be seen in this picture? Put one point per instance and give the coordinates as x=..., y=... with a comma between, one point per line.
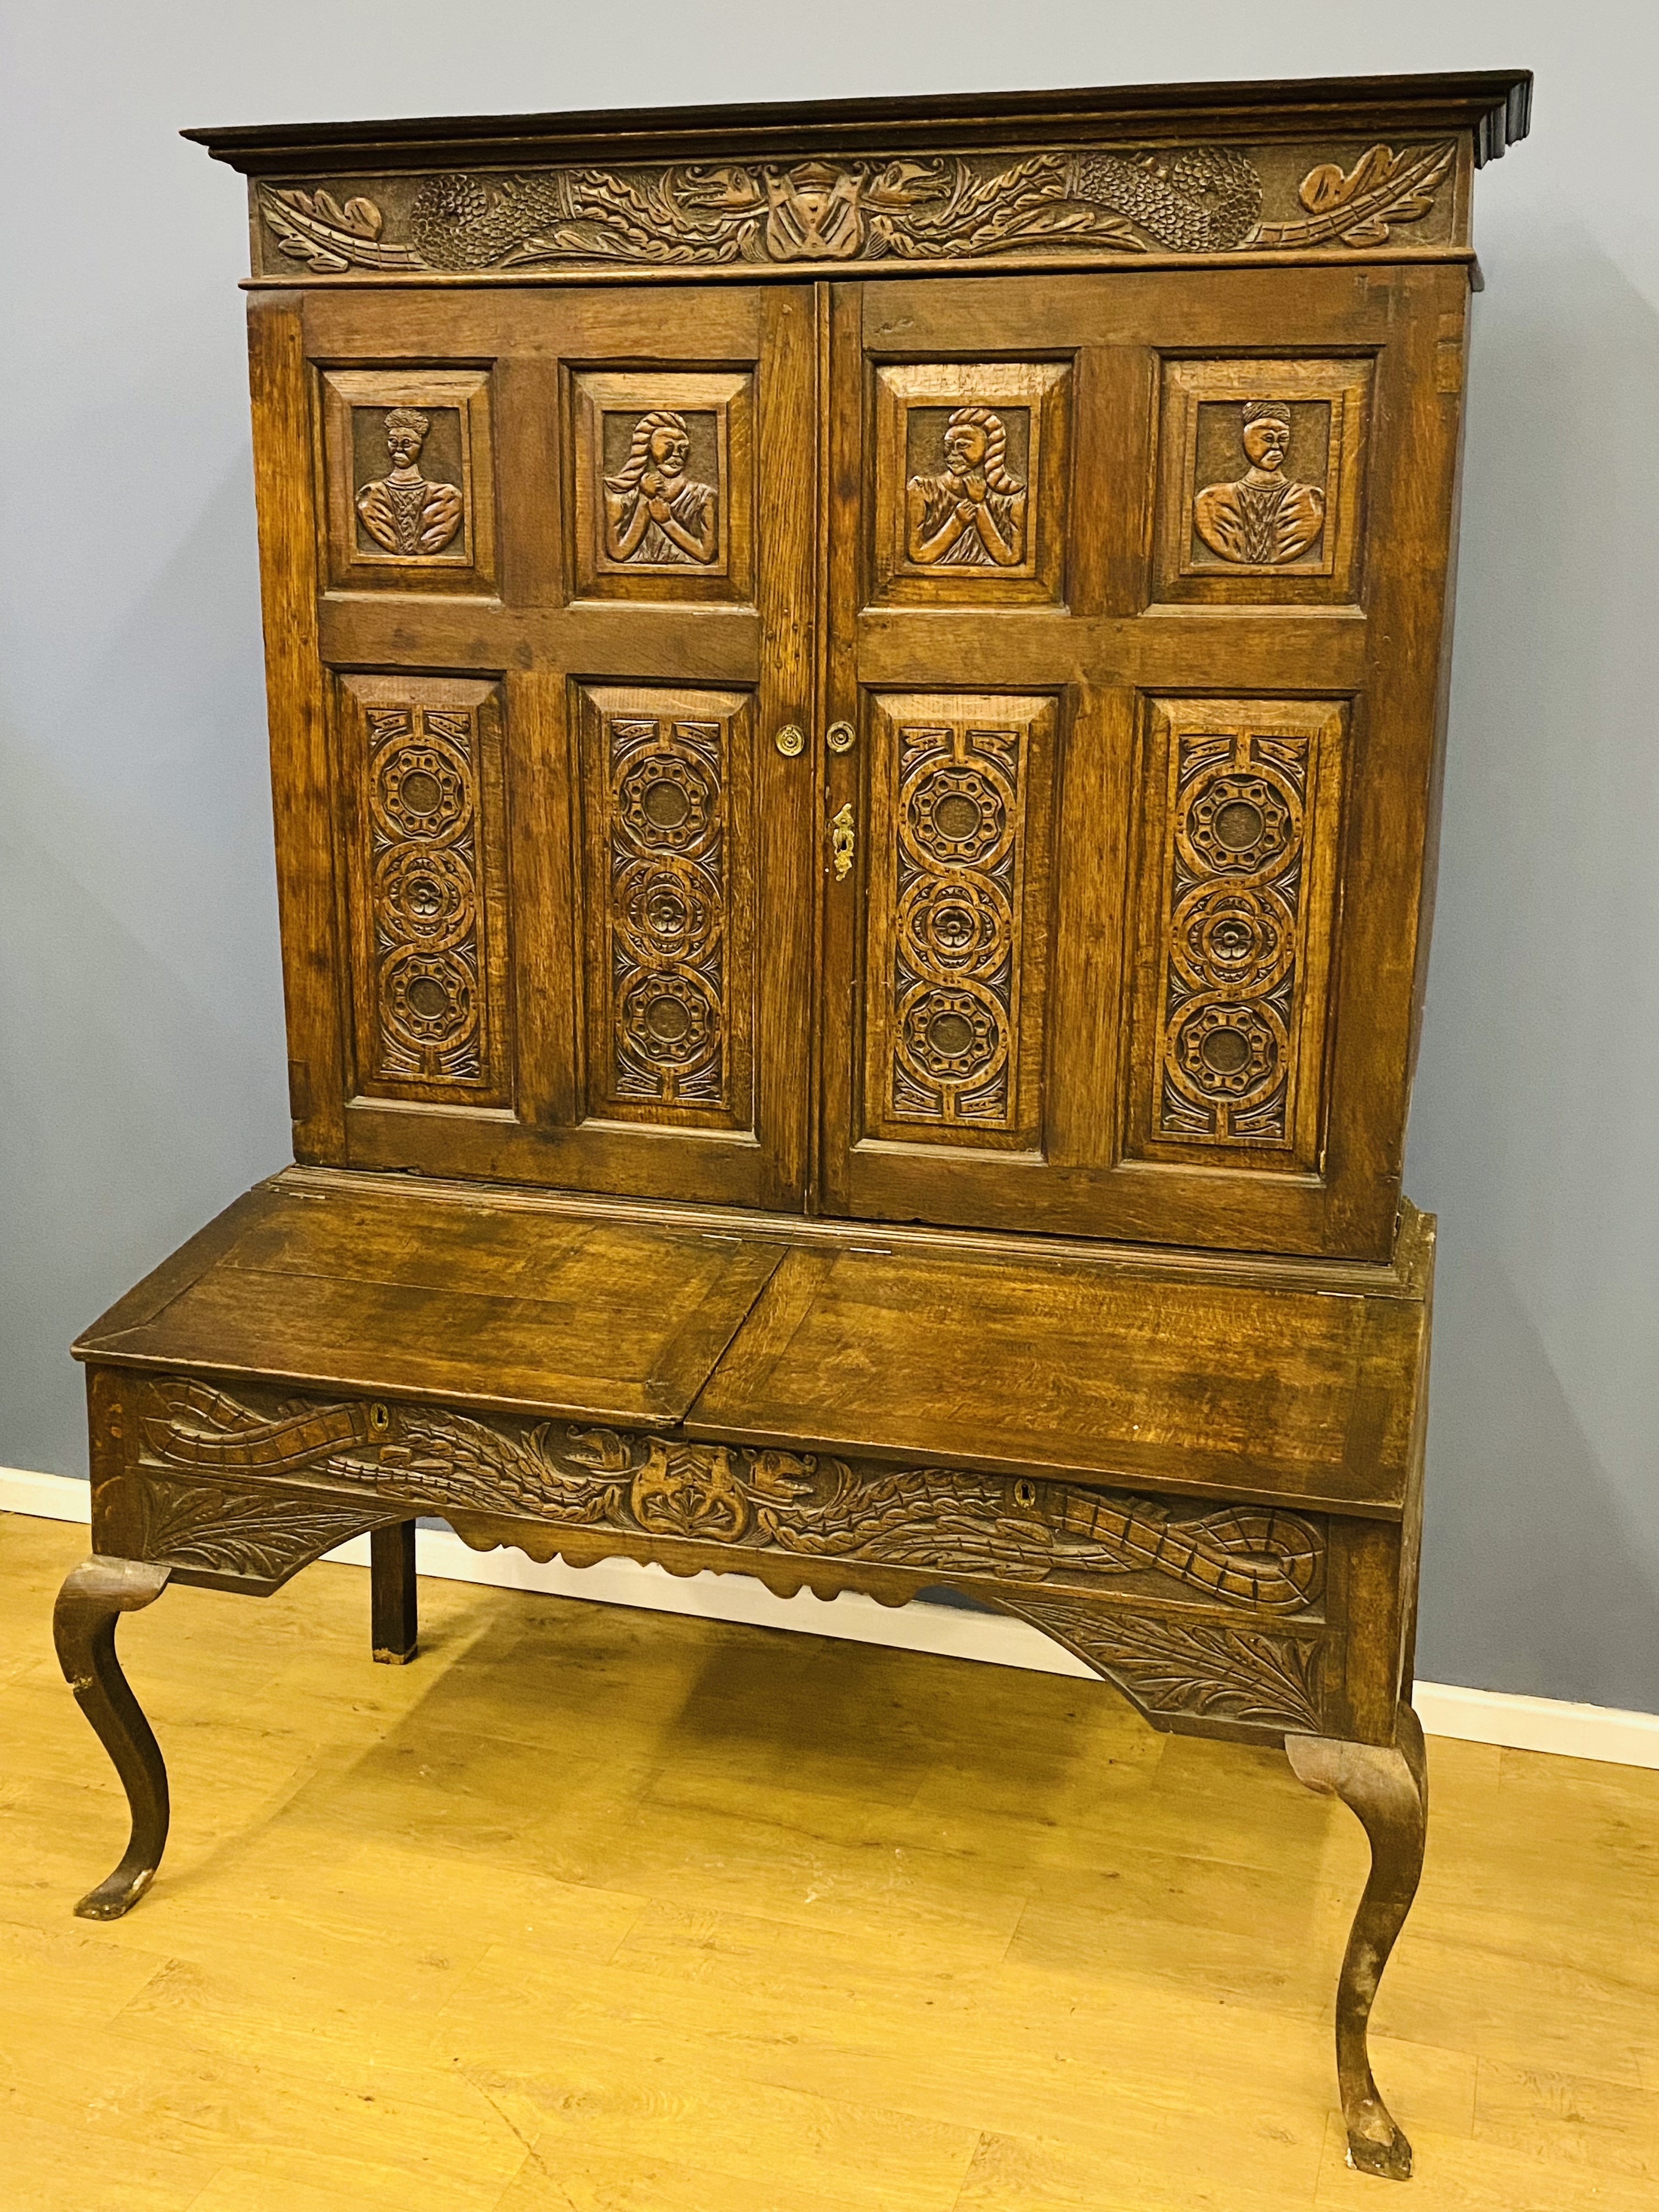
x=594, y=1910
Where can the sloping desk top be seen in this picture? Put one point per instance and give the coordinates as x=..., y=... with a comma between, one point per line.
x=1279, y=1381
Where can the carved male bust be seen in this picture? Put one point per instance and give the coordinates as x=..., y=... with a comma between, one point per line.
x=404, y=511
x=972, y=514
x=1264, y=517
x=655, y=514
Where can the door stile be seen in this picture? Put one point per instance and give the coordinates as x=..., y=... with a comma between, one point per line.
x=845, y=772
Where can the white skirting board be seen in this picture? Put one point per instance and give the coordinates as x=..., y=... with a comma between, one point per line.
x=1474, y=1716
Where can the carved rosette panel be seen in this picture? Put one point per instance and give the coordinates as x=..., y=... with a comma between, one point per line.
x=940, y=1520
x=669, y=955
x=1051, y=200
x=1242, y=921
x=955, y=1037
x=1176, y=1669
x=419, y=754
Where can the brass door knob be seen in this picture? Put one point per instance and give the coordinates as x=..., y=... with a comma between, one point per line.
x=789, y=741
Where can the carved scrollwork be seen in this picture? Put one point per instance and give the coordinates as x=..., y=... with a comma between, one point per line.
x=422, y=788
x=668, y=893
x=1234, y=895
x=961, y=816
x=1200, y=1670
x=939, y=1520
x=1202, y=199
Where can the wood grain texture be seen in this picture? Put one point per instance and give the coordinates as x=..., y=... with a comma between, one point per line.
x=716, y=1918
x=855, y=864
x=623, y=1322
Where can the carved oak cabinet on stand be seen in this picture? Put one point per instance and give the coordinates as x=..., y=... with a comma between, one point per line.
x=856, y=705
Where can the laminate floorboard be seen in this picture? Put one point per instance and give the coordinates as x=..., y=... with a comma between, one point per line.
x=598, y=1911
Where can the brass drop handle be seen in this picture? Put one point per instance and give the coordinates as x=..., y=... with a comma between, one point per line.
x=840, y=737
x=840, y=826
x=789, y=741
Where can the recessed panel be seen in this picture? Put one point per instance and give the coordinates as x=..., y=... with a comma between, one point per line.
x=668, y=893
x=663, y=484
x=971, y=482
x=410, y=503
x=956, y=967
x=421, y=772
x=1259, y=481
x=1242, y=803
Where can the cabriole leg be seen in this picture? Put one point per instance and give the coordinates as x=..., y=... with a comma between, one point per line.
x=394, y=1620
x=1387, y=1790
x=84, y=1624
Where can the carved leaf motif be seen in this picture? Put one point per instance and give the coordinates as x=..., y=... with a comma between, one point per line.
x=260, y=1532
x=1359, y=206
x=1327, y=187
x=1208, y=1670
x=313, y=227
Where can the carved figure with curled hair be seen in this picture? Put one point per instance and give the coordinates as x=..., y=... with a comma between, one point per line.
x=403, y=512
x=655, y=514
x=972, y=512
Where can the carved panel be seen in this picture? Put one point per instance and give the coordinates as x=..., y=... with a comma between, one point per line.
x=955, y=974
x=668, y=893
x=1242, y=819
x=1259, y=481
x=971, y=481
x=896, y=207
x=932, y=1519
x=662, y=481
x=409, y=497
x=250, y=1534
x=1185, y=1670
x=421, y=773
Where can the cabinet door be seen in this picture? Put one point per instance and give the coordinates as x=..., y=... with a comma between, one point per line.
x=541, y=706
x=1136, y=588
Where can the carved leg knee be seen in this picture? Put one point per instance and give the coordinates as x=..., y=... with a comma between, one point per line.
x=94, y=1595
x=1387, y=1789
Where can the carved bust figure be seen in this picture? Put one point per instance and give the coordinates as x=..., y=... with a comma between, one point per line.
x=1264, y=518
x=655, y=514
x=403, y=511
x=972, y=514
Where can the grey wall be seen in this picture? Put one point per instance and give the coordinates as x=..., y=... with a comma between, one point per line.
x=141, y=1052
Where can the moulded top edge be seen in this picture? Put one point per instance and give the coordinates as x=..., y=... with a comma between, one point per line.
x=1495, y=105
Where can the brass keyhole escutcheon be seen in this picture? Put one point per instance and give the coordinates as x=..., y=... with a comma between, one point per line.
x=1024, y=1493
x=840, y=737
x=379, y=1418
x=789, y=741
x=841, y=827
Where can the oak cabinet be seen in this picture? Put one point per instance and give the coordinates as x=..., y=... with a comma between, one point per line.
x=856, y=700
x=1056, y=658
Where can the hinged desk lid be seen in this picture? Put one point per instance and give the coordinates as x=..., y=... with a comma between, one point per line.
x=387, y=1293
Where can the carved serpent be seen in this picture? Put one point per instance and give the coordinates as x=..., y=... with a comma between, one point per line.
x=937, y=1518
x=1202, y=199
x=1209, y=199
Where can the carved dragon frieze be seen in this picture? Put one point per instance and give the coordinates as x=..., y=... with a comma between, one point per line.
x=1195, y=200
x=945, y=1520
